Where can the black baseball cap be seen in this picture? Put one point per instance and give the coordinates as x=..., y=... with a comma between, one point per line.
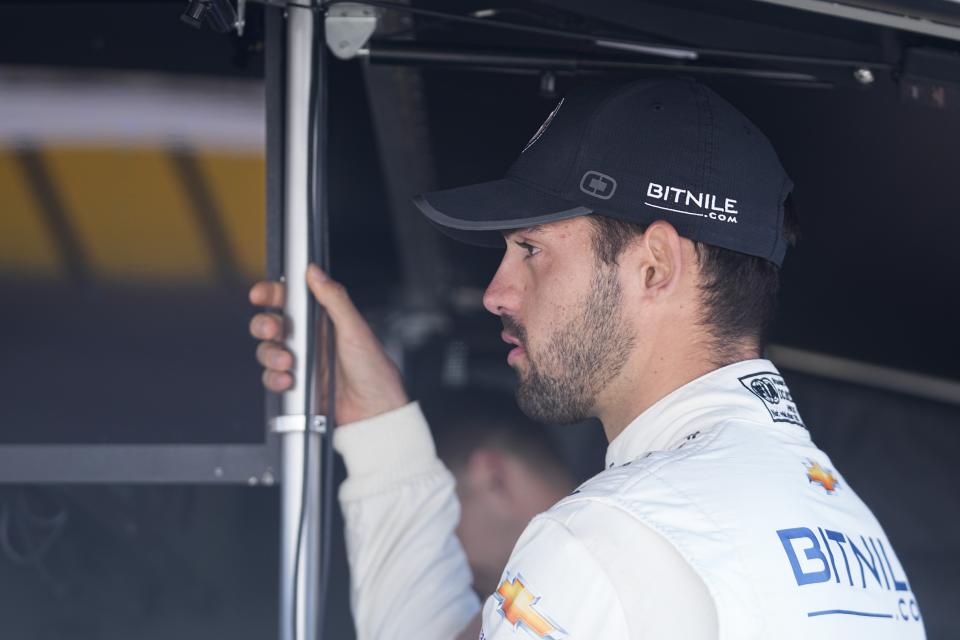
x=657, y=149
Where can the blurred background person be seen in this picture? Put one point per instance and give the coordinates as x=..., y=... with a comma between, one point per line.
x=507, y=469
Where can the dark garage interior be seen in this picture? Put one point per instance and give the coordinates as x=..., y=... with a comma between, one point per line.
x=125, y=261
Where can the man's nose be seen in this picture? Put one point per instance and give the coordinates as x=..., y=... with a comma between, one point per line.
x=499, y=298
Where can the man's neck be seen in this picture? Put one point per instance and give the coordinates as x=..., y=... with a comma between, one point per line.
x=649, y=379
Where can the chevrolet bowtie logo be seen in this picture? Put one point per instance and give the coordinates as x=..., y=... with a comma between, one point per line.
x=823, y=477
x=517, y=606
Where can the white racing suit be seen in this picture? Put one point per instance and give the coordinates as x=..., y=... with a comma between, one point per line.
x=716, y=517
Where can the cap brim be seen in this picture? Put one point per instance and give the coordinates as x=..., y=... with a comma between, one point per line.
x=479, y=213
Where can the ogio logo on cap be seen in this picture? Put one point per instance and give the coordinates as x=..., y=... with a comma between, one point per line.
x=598, y=185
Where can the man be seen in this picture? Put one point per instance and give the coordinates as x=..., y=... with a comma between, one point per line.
x=645, y=226
x=507, y=470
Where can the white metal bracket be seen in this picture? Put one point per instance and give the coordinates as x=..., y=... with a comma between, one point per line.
x=348, y=26
x=286, y=424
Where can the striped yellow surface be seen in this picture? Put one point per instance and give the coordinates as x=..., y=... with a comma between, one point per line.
x=131, y=215
x=238, y=186
x=26, y=247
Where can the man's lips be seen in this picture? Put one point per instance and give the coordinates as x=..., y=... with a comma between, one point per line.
x=518, y=348
x=509, y=339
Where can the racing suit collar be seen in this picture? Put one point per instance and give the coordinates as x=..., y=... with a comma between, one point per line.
x=698, y=404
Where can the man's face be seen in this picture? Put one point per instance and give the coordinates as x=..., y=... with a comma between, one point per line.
x=563, y=309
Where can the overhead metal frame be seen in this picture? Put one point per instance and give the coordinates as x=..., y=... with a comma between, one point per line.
x=532, y=62
x=901, y=21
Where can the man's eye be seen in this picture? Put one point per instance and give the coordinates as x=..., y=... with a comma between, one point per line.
x=529, y=248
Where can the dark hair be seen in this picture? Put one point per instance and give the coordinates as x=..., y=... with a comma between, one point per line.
x=464, y=420
x=739, y=291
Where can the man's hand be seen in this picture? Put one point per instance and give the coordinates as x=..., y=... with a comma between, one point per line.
x=367, y=382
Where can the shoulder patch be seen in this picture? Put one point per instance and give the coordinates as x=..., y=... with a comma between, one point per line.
x=821, y=476
x=773, y=393
x=518, y=606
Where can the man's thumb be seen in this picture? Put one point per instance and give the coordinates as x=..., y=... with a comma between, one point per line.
x=334, y=298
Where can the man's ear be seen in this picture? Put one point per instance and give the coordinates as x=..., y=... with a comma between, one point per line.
x=661, y=259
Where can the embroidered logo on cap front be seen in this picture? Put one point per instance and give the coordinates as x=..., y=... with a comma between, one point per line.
x=773, y=392
x=543, y=127
x=823, y=477
x=598, y=185
x=517, y=607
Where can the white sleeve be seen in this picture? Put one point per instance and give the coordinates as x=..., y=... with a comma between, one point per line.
x=591, y=570
x=409, y=575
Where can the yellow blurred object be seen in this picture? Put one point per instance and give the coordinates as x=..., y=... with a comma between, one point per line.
x=238, y=185
x=131, y=216
x=26, y=246
x=130, y=213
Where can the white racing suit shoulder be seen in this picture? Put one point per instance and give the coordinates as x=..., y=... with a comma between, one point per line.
x=589, y=569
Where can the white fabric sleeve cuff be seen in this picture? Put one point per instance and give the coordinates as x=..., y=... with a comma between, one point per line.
x=387, y=448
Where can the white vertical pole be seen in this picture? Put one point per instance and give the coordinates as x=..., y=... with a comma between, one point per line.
x=298, y=602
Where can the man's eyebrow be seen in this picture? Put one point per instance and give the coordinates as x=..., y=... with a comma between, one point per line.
x=537, y=228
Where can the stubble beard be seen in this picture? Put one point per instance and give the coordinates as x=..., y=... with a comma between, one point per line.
x=563, y=379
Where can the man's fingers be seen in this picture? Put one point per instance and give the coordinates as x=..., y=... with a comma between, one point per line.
x=267, y=294
x=273, y=356
x=332, y=295
x=277, y=381
x=335, y=299
x=266, y=326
